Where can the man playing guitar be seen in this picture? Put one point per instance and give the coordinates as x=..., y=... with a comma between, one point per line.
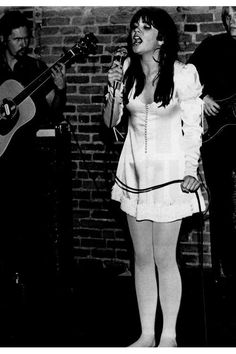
x=22, y=245
x=215, y=59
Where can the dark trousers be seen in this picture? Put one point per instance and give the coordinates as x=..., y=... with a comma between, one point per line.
x=219, y=163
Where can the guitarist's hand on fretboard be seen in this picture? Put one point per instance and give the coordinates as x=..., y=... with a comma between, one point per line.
x=211, y=108
x=58, y=75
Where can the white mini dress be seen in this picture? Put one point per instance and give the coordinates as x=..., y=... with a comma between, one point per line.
x=162, y=145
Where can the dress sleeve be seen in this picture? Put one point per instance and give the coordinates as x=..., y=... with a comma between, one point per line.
x=189, y=90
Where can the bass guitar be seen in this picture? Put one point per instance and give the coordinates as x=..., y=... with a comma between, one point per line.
x=226, y=117
x=17, y=107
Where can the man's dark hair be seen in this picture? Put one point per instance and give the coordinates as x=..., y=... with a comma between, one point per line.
x=12, y=20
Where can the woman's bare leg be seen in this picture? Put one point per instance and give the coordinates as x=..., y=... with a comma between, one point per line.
x=165, y=237
x=145, y=279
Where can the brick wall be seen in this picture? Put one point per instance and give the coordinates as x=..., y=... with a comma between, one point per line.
x=99, y=230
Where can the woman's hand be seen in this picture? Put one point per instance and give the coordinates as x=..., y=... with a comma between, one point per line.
x=114, y=98
x=115, y=73
x=211, y=108
x=190, y=184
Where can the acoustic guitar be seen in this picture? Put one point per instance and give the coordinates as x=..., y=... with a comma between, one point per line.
x=226, y=117
x=17, y=107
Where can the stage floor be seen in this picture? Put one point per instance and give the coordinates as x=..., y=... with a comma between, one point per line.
x=100, y=310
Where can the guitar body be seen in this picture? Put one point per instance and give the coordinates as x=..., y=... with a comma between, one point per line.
x=25, y=112
x=225, y=118
x=217, y=126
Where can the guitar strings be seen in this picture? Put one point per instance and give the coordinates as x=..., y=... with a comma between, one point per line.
x=20, y=97
x=43, y=76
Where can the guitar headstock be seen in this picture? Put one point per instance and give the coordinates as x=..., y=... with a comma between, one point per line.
x=86, y=45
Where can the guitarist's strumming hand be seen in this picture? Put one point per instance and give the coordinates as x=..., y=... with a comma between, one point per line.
x=211, y=108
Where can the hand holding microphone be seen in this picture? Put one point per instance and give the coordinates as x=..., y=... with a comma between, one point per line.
x=115, y=74
x=115, y=93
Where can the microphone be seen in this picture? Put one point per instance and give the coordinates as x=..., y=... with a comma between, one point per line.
x=119, y=55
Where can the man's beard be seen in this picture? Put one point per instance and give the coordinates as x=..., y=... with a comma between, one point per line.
x=21, y=54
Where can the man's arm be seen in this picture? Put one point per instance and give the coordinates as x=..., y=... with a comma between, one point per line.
x=56, y=98
x=200, y=59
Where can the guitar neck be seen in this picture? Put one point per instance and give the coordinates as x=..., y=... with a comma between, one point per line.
x=42, y=78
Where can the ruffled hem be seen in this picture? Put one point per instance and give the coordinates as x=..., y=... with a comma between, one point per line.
x=160, y=212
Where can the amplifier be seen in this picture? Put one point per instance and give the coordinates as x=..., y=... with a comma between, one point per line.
x=54, y=152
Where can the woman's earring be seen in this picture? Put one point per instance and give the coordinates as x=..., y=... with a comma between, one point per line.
x=160, y=39
x=160, y=42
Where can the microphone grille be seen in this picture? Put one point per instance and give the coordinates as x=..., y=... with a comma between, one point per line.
x=120, y=54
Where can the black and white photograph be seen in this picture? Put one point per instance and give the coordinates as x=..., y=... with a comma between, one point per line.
x=117, y=175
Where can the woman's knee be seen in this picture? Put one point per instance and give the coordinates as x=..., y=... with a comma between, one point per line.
x=164, y=259
x=143, y=257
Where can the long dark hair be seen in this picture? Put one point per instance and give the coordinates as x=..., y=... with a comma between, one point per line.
x=167, y=32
